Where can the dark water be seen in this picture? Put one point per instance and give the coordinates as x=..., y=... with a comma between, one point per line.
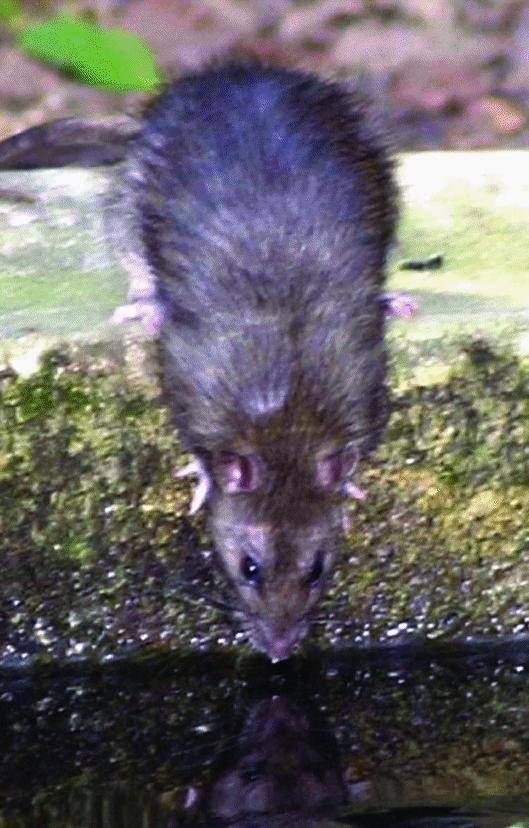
x=402, y=738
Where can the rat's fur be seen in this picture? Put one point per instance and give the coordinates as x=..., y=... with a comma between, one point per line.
x=265, y=206
x=260, y=206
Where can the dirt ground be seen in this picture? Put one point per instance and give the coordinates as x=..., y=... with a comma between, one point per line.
x=448, y=73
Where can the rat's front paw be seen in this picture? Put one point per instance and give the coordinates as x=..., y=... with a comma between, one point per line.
x=203, y=487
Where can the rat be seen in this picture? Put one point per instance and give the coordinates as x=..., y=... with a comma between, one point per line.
x=257, y=206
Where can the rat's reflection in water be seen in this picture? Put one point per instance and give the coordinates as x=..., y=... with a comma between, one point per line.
x=283, y=768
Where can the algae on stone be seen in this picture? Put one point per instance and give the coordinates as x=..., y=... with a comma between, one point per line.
x=99, y=556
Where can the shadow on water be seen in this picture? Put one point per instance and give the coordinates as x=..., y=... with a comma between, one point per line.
x=383, y=739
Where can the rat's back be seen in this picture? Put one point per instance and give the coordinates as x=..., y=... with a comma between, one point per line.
x=264, y=204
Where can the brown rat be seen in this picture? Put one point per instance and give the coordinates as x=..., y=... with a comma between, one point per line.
x=259, y=208
x=265, y=204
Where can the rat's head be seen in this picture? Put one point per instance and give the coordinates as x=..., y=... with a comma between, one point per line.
x=278, y=537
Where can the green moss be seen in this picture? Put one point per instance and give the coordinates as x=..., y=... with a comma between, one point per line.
x=96, y=543
x=443, y=534
x=91, y=516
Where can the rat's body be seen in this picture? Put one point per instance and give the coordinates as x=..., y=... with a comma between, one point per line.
x=264, y=204
x=261, y=207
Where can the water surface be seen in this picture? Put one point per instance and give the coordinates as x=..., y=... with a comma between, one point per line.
x=379, y=738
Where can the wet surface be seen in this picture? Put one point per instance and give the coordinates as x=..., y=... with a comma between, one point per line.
x=401, y=738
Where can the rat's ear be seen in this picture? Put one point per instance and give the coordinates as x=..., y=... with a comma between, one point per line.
x=238, y=472
x=333, y=470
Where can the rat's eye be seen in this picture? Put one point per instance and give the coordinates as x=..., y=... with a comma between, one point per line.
x=251, y=571
x=316, y=570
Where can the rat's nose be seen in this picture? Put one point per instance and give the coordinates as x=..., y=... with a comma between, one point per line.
x=279, y=650
x=279, y=647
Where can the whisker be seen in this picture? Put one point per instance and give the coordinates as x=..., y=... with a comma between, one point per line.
x=204, y=597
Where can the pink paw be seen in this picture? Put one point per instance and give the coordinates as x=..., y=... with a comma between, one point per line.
x=400, y=305
x=149, y=313
x=204, y=485
x=352, y=490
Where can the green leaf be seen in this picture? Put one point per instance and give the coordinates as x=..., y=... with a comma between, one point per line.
x=107, y=58
x=10, y=11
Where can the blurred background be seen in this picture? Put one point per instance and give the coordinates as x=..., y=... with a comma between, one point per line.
x=449, y=73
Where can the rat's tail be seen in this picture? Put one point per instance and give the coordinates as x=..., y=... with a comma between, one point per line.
x=69, y=142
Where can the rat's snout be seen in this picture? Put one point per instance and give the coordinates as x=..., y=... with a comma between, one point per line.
x=279, y=644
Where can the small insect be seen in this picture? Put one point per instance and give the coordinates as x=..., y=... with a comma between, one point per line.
x=433, y=262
